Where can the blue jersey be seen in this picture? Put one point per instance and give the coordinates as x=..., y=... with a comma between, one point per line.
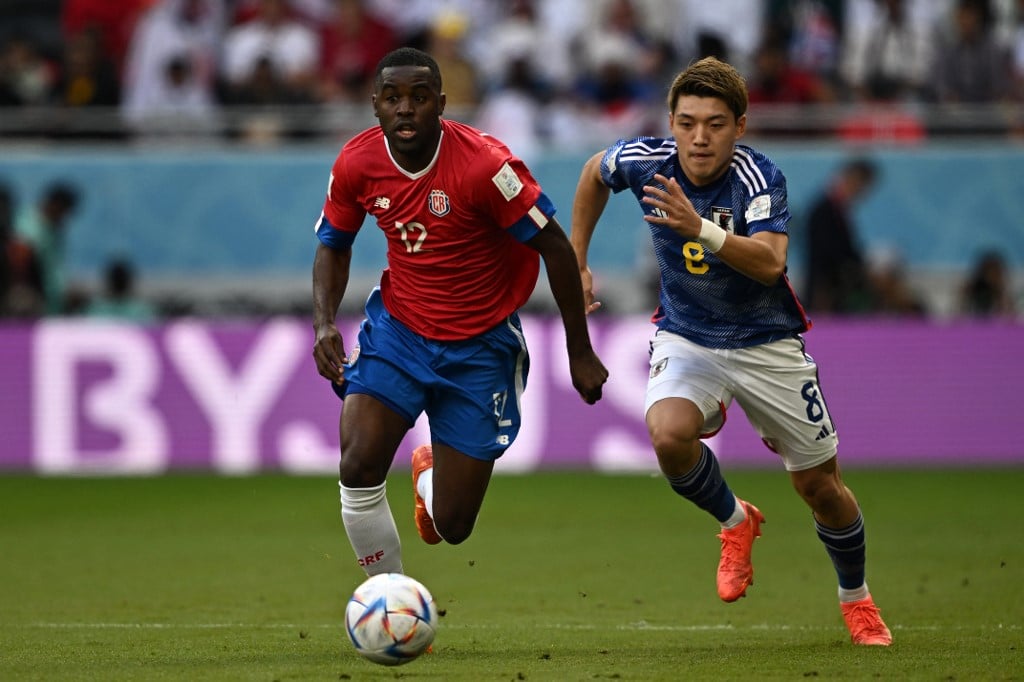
x=702, y=298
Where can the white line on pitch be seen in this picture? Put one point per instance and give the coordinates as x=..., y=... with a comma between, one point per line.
x=460, y=626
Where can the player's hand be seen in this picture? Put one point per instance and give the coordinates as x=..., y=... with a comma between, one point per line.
x=588, y=376
x=587, y=278
x=329, y=353
x=675, y=210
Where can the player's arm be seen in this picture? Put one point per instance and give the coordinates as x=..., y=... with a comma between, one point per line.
x=761, y=257
x=588, y=372
x=330, y=279
x=340, y=220
x=587, y=206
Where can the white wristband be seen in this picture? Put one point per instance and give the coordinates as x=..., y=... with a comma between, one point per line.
x=711, y=235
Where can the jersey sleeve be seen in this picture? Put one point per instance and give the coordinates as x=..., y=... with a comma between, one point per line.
x=342, y=215
x=506, y=191
x=767, y=206
x=626, y=163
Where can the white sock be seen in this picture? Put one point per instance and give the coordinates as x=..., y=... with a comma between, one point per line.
x=371, y=530
x=739, y=515
x=425, y=488
x=855, y=594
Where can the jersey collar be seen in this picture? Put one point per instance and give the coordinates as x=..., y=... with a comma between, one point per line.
x=419, y=174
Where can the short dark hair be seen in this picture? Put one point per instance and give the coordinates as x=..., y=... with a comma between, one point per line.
x=62, y=194
x=120, y=276
x=711, y=77
x=862, y=167
x=407, y=56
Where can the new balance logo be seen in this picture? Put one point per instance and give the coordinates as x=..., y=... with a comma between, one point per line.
x=382, y=202
x=824, y=433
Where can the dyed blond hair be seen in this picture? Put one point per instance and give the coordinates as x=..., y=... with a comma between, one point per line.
x=711, y=77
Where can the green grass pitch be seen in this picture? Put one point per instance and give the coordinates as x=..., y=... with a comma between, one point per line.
x=568, y=576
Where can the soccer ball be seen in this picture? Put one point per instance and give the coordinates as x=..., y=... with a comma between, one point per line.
x=391, y=619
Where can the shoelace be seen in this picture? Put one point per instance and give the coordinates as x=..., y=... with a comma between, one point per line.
x=866, y=617
x=734, y=545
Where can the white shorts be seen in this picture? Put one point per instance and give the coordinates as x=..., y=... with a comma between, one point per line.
x=776, y=384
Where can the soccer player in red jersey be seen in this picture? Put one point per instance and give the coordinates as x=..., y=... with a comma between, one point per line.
x=466, y=227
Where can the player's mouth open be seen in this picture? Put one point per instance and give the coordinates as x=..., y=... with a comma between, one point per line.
x=406, y=132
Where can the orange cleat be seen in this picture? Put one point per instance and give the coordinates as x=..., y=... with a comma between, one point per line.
x=423, y=459
x=735, y=572
x=865, y=623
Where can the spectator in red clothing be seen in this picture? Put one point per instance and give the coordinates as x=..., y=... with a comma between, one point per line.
x=777, y=81
x=114, y=22
x=351, y=44
x=21, y=277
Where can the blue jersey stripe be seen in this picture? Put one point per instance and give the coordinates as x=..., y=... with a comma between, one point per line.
x=331, y=236
x=526, y=227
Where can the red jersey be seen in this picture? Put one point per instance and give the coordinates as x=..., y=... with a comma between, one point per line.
x=456, y=262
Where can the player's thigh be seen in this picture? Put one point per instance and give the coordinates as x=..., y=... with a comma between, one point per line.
x=683, y=369
x=778, y=389
x=476, y=408
x=389, y=362
x=383, y=394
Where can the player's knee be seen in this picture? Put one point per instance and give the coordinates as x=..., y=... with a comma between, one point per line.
x=822, y=493
x=453, y=528
x=674, y=443
x=356, y=472
x=673, y=428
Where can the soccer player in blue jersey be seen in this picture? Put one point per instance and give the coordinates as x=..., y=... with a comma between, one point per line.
x=728, y=326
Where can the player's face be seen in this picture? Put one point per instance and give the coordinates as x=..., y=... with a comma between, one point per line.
x=705, y=131
x=409, y=106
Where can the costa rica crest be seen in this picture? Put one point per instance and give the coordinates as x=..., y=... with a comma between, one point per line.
x=439, y=203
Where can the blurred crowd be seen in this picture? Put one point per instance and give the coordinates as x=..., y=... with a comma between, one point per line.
x=34, y=279
x=523, y=69
x=538, y=74
x=842, y=276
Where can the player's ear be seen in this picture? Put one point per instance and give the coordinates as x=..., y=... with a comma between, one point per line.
x=441, y=101
x=741, y=126
x=373, y=101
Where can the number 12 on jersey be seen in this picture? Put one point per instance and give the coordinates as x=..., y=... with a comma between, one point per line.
x=406, y=230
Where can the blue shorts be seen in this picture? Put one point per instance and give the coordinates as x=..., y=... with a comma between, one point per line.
x=470, y=390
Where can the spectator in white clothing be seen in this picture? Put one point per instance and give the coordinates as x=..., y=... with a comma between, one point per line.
x=271, y=58
x=170, y=73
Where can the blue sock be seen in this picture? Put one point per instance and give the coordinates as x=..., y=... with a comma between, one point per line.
x=846, y=548
x=704, y=486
